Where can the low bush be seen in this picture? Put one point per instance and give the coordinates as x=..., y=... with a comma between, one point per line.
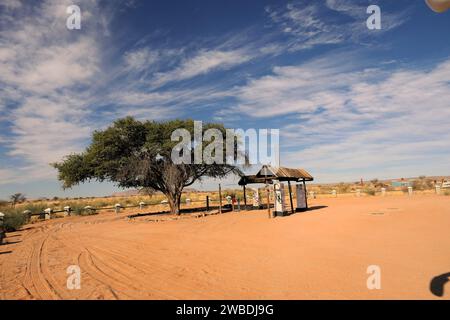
x=369, y=192
x=14, y=220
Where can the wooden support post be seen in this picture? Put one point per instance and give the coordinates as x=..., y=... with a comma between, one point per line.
x=410, y=191
x=245, y=199
x=220, y=199
x=306, y=194
x=268, y=202
x=207, y=203
x=290, y=196
x=2, y=231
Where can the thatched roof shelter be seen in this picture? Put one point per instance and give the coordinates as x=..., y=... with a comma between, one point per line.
x=269, y=173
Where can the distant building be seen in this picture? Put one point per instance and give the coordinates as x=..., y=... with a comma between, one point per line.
x=402, y=183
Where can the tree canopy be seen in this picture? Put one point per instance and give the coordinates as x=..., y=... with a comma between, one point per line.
x=136, y=154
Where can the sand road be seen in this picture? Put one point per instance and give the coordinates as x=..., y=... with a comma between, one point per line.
x=323, y=253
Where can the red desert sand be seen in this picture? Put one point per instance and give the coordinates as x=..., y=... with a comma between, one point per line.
x=323, y=253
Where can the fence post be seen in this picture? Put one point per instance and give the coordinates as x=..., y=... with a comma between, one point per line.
x=383, y=192
x=28, y=214
x=67, y=210
x=141, y=205
x=410, y=191
x=117, y=207
x=438, y=189
x=220, y=199
x=207, y=203
x=48, y=213
x=245, y=198
x=2, y=232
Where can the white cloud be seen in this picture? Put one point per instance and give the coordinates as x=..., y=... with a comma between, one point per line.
x=203, y=62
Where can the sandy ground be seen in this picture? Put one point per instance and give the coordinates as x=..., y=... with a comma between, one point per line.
x=323, y=253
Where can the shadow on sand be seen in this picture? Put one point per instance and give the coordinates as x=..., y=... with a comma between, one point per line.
x=6, y=252
x=300, y=211
x=316, y=208
x=11, y=242
x=437, y=284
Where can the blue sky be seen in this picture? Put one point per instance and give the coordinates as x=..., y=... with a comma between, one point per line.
x=350, y=102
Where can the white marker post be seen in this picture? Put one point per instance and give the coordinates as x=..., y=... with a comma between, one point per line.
x=141, y=205
x=358, y=192
x=67, y=210
x=438, y=189
x=47, y=213
x=334, y=193
x=410, y=191
x=383, y=192
x=28, y=214
x=117, y=207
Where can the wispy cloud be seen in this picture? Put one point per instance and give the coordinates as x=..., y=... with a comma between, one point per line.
x=203, y=62
x=310, y=24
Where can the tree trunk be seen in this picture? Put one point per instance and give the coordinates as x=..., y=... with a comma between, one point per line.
x=174, y=203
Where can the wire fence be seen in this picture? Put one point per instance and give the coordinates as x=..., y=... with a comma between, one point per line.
x=235, y=202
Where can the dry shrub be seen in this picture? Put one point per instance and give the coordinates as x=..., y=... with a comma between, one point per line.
x=369, y=191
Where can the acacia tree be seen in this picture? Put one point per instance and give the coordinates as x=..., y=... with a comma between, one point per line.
x=135, y=154
x=17, y=198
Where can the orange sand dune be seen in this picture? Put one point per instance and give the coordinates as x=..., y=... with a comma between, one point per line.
x=323, y=253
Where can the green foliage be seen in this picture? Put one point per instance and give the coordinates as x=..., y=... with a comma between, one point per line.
x=423, y=184
x=343, y=188
x=369, y=191
x=14, y=219
x=76, y=207
x=34, y=207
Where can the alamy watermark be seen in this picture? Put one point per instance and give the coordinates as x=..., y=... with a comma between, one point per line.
x=373, y=22
x=374, y=279
x=251, y=146
x=74, y=278
x=73, y=21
